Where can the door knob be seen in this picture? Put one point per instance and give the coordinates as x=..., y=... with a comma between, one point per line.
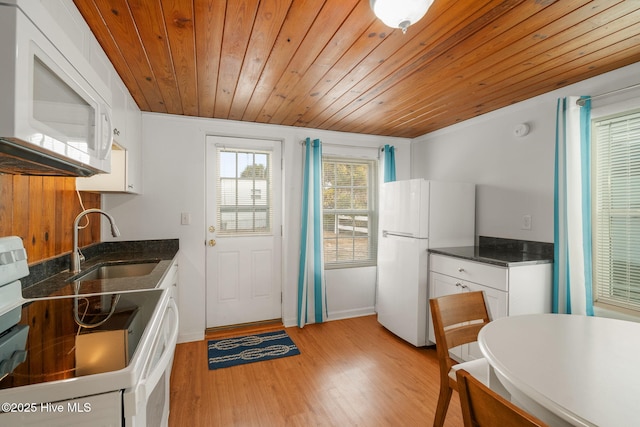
x=212, y=242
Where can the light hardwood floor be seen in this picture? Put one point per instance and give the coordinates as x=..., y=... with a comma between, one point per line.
x=350, y=373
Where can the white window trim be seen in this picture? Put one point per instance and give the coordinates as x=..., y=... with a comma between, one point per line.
x=373, y=210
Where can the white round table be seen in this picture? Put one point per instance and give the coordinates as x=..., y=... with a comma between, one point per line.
x=568, y=369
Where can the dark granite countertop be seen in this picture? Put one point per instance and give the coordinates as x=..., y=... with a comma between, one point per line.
x=52, y=277
x=502, y=252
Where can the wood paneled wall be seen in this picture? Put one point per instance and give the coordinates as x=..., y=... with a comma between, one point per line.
x=41, y=211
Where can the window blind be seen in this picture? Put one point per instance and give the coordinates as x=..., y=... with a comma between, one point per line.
x=243, y=192
x=617, y=210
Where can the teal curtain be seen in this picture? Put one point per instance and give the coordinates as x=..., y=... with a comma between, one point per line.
x=389, y=163
x=311, y=282
x=572, y=268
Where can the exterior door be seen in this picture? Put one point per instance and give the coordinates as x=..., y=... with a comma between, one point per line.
x=244, y=199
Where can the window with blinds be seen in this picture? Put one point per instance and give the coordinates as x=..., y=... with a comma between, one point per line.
x=349, y=220
x=616, y=210
x=243, y=192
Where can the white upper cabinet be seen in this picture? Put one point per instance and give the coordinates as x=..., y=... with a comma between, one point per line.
x=126, y=161
x=119, y=109
x=133, y=142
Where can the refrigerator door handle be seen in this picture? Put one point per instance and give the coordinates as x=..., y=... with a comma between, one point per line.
x=386, y=233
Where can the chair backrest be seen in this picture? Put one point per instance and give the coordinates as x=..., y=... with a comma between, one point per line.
x=483, y=407
x=457, y=320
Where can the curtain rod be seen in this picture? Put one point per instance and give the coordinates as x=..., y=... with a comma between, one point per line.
x=582, y=101
x=303, y=142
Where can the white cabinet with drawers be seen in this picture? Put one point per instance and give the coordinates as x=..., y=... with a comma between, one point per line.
x=170, y=279
x=510, y=289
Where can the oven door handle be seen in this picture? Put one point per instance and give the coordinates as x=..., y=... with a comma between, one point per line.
x=155, y=372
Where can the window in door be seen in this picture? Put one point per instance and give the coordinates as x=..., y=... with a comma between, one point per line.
x=244, y=192
x=616, y=210
x=349, y=217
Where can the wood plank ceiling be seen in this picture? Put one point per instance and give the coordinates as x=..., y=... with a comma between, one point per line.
x=330, y=64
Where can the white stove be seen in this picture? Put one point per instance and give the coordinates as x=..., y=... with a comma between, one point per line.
x=85, y=359
x=13, y=337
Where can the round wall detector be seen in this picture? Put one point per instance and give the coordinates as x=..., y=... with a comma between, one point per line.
x=521, y=130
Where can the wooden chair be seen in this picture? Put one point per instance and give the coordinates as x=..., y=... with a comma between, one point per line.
x=457, y=320
x=483, y=407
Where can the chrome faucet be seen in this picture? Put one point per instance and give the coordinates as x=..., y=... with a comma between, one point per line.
x=76, y=257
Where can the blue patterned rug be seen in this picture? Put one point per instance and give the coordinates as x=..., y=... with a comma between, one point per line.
x=248, y=349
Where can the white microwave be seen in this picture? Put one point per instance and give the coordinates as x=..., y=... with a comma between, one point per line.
x=49, y=114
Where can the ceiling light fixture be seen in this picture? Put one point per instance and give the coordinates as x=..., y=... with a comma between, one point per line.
x=400, y=13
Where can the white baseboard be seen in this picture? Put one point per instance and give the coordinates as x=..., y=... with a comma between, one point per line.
x=190, y=336
x=337, y=315
x=348, y=314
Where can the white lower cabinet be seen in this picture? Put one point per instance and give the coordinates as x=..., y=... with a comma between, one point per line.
x=508, y=291
x=170, y=279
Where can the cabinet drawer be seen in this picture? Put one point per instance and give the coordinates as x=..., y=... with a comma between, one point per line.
x=483, y=274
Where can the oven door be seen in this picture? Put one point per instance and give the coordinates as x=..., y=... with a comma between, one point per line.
x=147, y=403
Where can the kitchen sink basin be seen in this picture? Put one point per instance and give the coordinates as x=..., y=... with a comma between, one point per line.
x=118, y=270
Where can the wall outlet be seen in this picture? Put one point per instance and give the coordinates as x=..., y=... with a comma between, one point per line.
x=526, y=222
x=185, y=218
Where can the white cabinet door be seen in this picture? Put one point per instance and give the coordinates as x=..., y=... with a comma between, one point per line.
x=496, y=304
x=119, y=110
x=134, y=146
x=496, y=301
x=441, y=285
x=126, y=155
x=170, y=280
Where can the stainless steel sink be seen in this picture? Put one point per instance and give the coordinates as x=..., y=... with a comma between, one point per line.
x=118, y=270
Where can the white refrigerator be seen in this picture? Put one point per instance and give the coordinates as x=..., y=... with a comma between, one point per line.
x=416, y=215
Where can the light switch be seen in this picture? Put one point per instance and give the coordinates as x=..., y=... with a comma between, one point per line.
x=185, y=218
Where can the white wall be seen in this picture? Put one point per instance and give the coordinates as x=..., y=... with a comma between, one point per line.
x=514, y=175
x=173, y=150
